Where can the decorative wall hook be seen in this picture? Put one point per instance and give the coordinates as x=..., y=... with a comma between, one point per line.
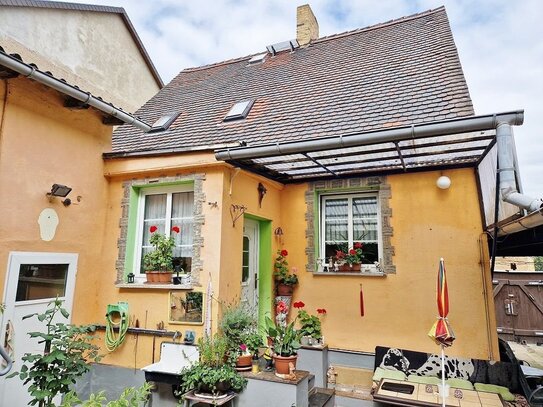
x=236, y=211
x=261, y=192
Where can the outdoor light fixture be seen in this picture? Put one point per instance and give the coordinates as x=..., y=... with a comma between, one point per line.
x=58, y=190
x=443, y=182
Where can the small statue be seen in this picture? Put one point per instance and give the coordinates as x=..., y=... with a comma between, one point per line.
x=269, y=359
x=331, y=375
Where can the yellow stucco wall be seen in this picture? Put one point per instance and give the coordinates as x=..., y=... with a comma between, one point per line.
x=428, y=223
x=65, y=147
x=43, y=143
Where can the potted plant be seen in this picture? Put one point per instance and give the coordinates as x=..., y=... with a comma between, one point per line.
x=351, y=259
x=212, y=375
x=310, y=325
x=157, y=263
x=285, y=342
x=285, y=281
x=240, y=328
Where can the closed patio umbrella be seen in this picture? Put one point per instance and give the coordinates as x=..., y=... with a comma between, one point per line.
x=441, y=331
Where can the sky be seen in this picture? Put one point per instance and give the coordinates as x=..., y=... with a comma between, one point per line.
x=500, y=43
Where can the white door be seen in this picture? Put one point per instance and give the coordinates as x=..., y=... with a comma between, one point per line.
x=249, y=270
x=33, y=280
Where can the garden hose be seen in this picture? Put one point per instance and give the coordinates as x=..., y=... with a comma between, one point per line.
x=116, y=318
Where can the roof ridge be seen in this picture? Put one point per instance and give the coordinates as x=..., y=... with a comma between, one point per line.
x=225, y=62
x=63, y=5
x=322, y=39
x=379, y=25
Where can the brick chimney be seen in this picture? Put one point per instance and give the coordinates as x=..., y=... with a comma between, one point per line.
x=307, y=28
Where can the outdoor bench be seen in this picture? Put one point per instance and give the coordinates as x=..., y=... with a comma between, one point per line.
x=405, y=373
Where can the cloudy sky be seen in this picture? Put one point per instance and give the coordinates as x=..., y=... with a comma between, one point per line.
x=500, y=43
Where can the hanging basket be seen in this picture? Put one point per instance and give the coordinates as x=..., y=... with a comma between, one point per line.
x=284, y=289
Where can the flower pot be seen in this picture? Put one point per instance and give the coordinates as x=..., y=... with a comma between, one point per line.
x=282, y=363
x=244, y=361
x=159, y=277
x=284, y=289
x=350, y=268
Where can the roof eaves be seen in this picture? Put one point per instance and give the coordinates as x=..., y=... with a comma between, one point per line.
x=167, y=151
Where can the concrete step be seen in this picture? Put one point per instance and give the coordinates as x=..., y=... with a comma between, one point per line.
x=320, y=397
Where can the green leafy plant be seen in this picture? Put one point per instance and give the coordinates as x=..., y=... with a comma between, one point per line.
x=161, y=257
x=310, y=325
x=130, y=397
x=67, y=354
x=285, y=340
x=282, y=273
x=355, y=255
x=210, y=379
x=213, y=350
x=240, y=328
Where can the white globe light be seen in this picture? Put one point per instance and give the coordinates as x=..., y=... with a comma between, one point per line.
x=443, y=182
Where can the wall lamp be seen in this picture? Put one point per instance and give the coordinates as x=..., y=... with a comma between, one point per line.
x=443, y=182
x=58, y=190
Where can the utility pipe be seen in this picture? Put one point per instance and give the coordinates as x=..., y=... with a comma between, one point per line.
x=506, y=168
x=31, y=72
x=455, y=126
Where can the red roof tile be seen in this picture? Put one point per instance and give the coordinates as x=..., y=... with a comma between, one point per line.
x=393, y=74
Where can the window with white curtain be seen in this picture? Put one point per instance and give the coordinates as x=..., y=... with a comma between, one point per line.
x=165, y=208
x=349, y=219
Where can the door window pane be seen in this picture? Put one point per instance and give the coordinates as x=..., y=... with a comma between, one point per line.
x=39, y=281
x=245, y=261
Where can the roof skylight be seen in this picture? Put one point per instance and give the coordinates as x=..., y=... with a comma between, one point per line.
x=164, y=122
x=258, y=58
x=240, y=110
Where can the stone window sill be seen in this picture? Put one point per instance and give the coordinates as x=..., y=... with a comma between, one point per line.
x=360, y=274
x=145, y=286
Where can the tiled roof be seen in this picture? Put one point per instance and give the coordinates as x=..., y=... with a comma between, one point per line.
x=60, y=5
x=394, y=74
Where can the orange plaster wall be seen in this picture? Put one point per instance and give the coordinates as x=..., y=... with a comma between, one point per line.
x=428, y=223
x=43, y=143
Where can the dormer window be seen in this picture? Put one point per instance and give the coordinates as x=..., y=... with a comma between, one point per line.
x=240, y=110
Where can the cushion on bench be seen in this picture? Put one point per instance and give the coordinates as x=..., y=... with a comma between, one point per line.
x=492, y=388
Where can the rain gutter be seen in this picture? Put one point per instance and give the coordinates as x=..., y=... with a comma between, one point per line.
x=447, y=127
x=48, y=80
x=529, y=221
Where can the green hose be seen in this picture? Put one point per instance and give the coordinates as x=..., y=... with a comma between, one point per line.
x=114, y=340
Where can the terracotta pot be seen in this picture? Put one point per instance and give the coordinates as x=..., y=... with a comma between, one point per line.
x=282, y=363
x=346, y=268
x=244, y=361
x=284, y=289
x=159, y=277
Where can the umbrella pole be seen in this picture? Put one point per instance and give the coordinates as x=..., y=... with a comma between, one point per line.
x=443, y=395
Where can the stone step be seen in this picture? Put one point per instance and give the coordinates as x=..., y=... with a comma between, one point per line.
x=320, y=397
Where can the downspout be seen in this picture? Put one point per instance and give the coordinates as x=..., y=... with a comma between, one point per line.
x=508, y=185
x=31, y=72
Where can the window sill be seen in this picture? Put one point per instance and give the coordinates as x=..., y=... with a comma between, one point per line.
x=360, y=274
x=145, y=286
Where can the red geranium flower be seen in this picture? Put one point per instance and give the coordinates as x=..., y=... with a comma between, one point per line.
x=358, y=245
x=153, y=229
x=176, y=229
x=298, y=304
x=352, y=251
x=321, y=311
x=284, y=253
x=340, y=254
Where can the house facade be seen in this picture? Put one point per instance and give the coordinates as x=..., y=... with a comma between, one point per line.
x=383, y=77
x=312, y=146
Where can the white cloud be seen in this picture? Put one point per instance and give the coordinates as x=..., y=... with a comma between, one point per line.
x=499, y=44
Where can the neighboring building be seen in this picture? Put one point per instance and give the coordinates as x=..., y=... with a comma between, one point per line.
x=515, y=264
x=94, y=47
x=312, y=145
